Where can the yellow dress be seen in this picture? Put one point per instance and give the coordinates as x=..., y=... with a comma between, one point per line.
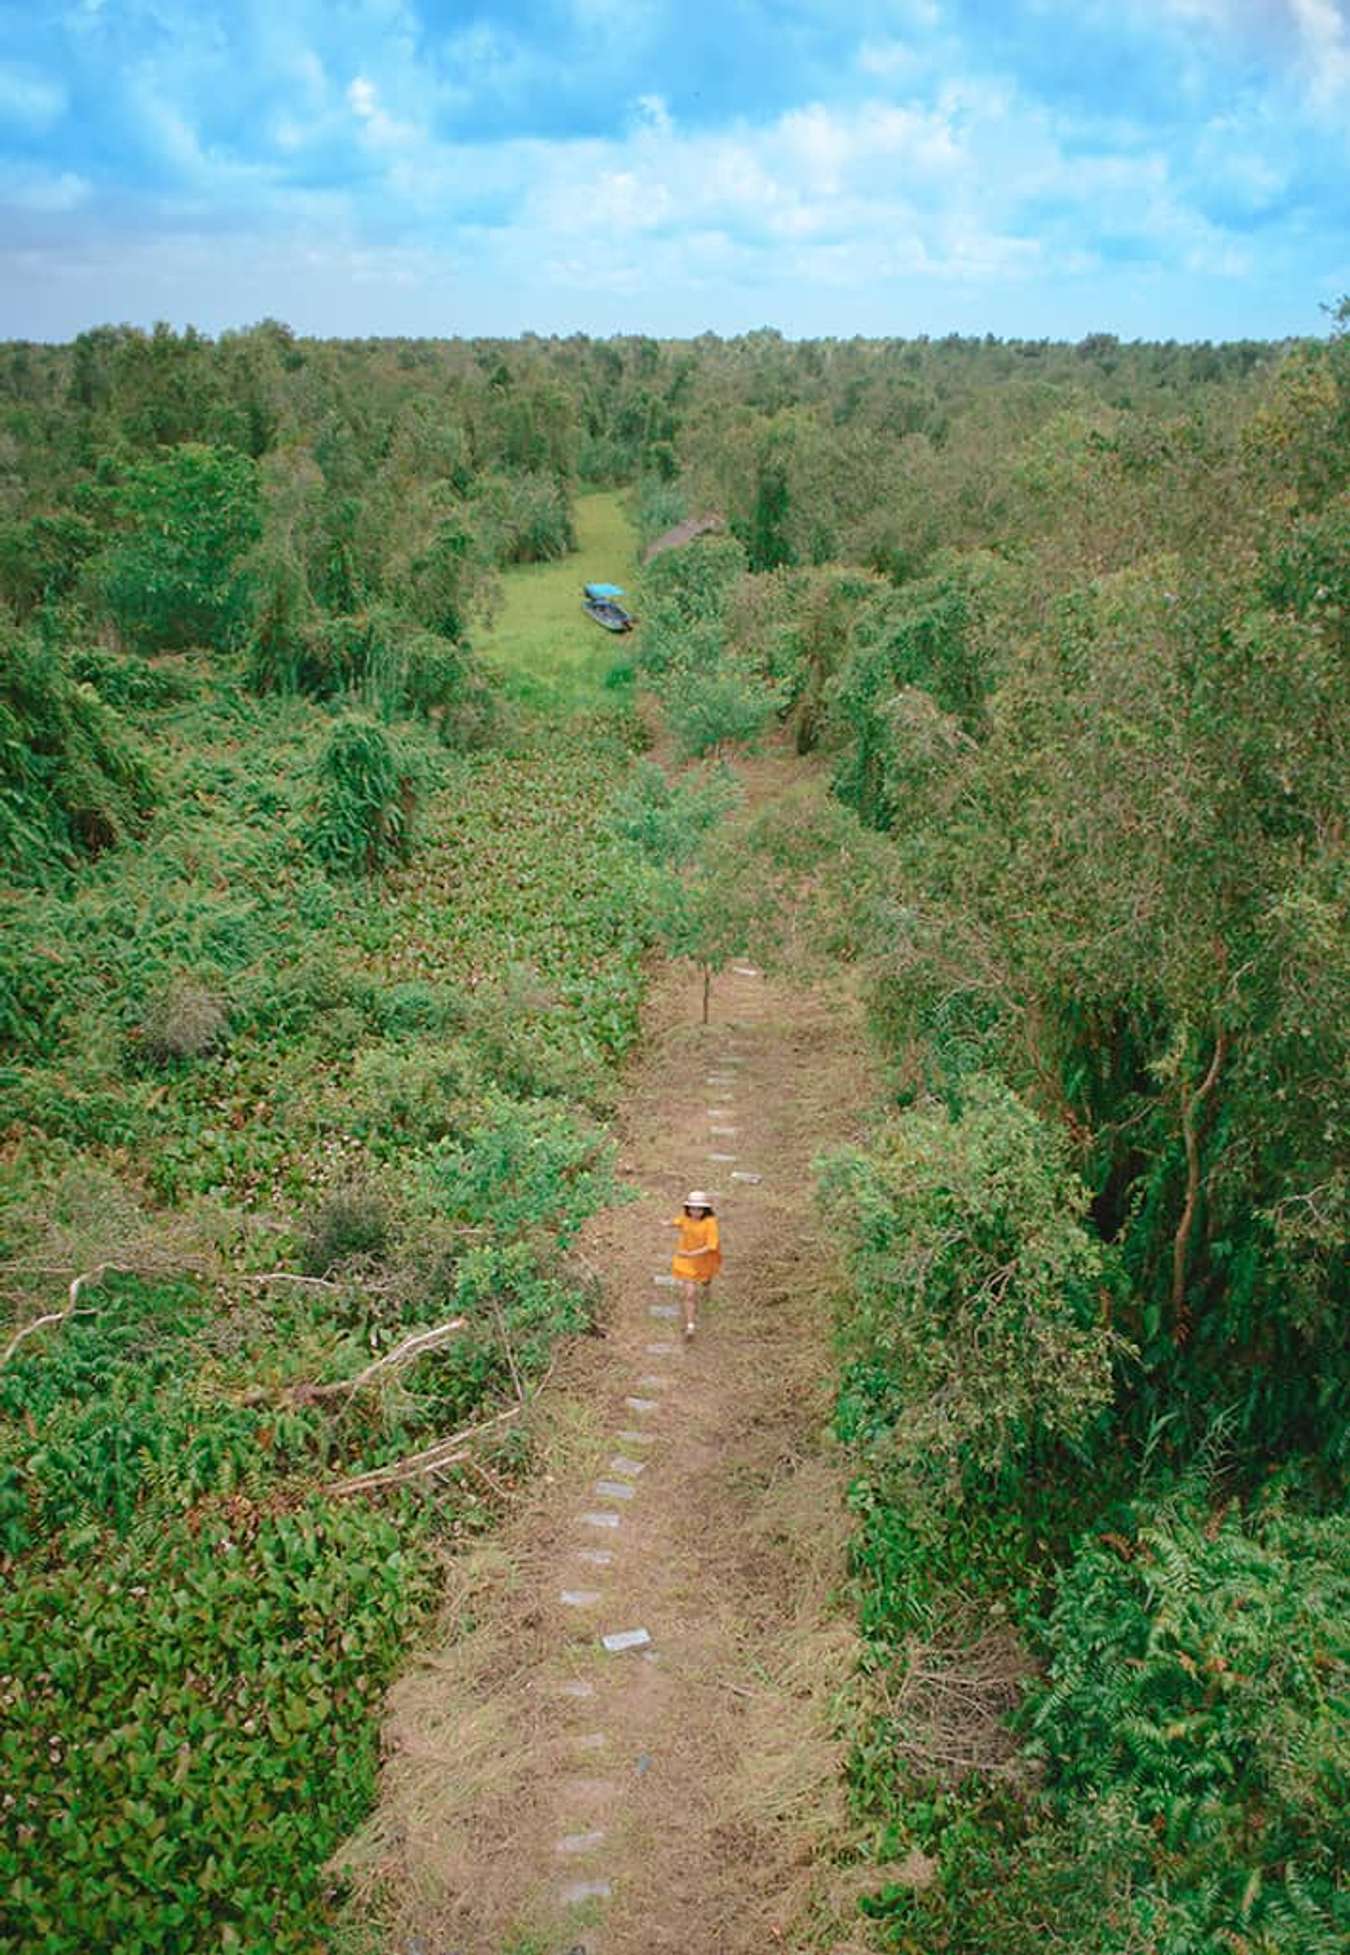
x=697, y=1235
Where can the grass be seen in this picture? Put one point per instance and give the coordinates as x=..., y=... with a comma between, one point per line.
x=543, y=649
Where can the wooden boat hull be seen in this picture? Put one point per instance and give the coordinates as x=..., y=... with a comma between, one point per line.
x=611, y=616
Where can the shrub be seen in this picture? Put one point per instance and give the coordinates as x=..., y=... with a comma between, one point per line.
x=174, y=575
x=524, y=518
x=683, y=598
x=666, y=820
x=725, y=708
x=184, y=1022
x=975, y=1292
x=72, y=779
x=1194, y=1755
x=351, y=1221
x=367, y=797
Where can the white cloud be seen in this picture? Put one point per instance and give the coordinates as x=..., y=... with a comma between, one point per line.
x=1325, y=43
x=31, y=100
x=885, y=58
x=44, y=192
x=361, y=95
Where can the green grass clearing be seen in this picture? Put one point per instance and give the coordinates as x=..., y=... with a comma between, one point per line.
x=543, y=648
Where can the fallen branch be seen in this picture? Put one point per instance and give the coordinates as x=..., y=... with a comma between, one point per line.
x=71, y=1309
x=415, y=1346
x=446, y=1452
x=412, y=1347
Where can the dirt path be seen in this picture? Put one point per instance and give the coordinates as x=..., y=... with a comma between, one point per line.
x=543, y=1794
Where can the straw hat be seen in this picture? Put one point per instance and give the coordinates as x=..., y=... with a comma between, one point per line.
x=696, y=1198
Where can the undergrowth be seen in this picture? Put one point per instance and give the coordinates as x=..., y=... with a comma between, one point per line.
x=287, y=1117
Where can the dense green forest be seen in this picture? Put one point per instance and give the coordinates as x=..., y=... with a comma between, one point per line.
x=324, y=942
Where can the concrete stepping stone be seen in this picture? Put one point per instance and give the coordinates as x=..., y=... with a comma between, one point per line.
x=662, y=1349
x=580, y=1598
x=643, y=1404
x=746, y=970
x=576, y=1687
x=591, y=1741
x=722, y=1160
x=619, y=1640
x=630, y=1436
x=589, y=1792
x=667, y=1310
x=724, y=1133
x=716, y=1112
x=577, y=1891
x=600, y=1520
x=666, y=1282
x=743, y=1174
x=597, y=1557
x=614, y=1489
x=580, y=1842
x=631, y=1467
x=655, y=1381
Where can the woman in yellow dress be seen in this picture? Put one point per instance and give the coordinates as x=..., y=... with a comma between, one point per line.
x=698, y=1254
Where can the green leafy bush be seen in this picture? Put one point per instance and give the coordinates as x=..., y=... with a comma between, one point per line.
x=975, y=1295
x=710, y=710
x=174, y=574
x=72, y=777
x=367, y=798
x=666, y=820
x=683, y=599
x=1191, y=1733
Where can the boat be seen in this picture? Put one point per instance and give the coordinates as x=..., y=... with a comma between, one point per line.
x=600, y=601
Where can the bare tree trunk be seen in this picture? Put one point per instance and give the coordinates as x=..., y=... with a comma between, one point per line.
x=1190, y=1115
x=707, y=990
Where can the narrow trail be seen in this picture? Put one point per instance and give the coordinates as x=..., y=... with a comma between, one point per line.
x=543, y=1793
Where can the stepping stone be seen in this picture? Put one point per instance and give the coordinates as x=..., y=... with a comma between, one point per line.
x=666, y=1282
x=625, y=1639
x=600, y=1520
x=655, y=1381
x=632, y=1437
x=591, y=1741
x=578, y=1891
x=632, y=1467
x=614, y=1489
x=598, y=1557
x=743, y=1174
x=589, y=1791
x=580, y=1598
x=662, y=1350
x=579, y=1842
x=724, y=1133
x=721, y=1158
x=745, y=970
x=644, y=1404
x=663, y=1310
x=716, y=1112
x=576, y=1687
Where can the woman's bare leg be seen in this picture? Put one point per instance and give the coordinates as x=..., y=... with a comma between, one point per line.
x=689, y=1306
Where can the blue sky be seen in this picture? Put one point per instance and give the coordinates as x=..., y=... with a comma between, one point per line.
x=1159, y=168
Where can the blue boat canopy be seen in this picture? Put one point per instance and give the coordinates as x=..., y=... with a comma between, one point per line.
x=604, y=590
